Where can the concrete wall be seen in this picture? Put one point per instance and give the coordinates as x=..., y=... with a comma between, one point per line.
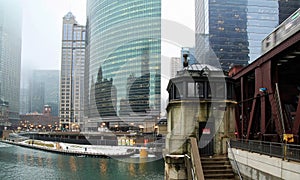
x=263, y=167
x=183, y=122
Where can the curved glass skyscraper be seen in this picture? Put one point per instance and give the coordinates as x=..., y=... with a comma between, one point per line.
x=123, y=62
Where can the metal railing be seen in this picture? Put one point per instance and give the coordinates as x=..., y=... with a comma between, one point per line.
x=280, y=150
x=235, y=163
x=293, y=152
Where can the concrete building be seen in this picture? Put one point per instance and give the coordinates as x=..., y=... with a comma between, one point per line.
x=175, y=65
x=24, y=100
x=233, y=30
x=200, y=105
x=72, y=74
x=10, y=55
x=123, y=63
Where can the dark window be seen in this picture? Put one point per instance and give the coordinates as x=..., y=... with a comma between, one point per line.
x=178, y=90
x=209, y=89
x=200, y=87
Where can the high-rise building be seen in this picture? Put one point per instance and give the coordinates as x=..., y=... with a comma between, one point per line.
x=44, y=90
x=286, y=8
x=175, y=65
x=10, y=56
x=123, y=62
x=72, y=74
x=24, y=100
x=191, y=55
x=232, y=31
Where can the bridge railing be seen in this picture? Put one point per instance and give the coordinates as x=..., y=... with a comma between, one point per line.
x=293, y=152
x=280, y=150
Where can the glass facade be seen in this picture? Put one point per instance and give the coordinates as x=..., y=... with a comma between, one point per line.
x=10, y=55
x=261, y=20
x=233, y=30
x=72, y=74
x=123, y=59
x=286, y=8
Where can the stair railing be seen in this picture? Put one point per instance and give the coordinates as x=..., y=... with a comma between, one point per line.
x=196, y=160
x=235, y=163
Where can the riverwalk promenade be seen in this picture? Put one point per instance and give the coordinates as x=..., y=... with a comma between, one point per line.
x=76, y=149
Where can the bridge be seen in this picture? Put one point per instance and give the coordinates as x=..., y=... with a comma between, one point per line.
x=267, y=92
x=266, y=116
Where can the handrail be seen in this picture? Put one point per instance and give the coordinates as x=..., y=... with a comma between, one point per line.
x=236, y=165
x=196, y=160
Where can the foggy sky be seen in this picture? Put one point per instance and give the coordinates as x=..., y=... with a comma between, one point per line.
x=42, y=28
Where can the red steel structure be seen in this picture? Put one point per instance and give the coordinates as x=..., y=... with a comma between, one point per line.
x=268, y=94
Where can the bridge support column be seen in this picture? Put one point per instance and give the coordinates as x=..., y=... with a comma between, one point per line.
x=175, y=167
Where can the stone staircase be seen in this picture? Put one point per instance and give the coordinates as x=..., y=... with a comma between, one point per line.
x=217, y=167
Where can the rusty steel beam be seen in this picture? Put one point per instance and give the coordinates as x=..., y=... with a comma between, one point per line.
x=243, y=107
x=275, y=115
x=263, y=79
x=251, y=118
x=263, y=115
x=297, y=120
x=237, y=123
x=266, y=81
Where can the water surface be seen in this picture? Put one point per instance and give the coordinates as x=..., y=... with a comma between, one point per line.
x=23, y=163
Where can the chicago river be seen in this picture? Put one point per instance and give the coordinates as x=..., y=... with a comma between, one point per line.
x=25, y=163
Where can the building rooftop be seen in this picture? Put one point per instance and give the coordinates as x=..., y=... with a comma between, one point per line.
x=200, y=67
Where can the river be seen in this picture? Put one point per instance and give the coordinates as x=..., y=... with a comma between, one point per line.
x=23, y=163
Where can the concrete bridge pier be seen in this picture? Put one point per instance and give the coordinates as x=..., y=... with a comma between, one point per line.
x=175, y=167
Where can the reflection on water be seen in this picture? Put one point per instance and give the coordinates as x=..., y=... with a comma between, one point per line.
x=73, y=164
x=22, y=163
x=103, y=166
x=131, y=169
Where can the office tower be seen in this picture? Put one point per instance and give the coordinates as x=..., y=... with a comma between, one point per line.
x=286, y=8
x=191, y=55
x=175, y=65
x=233, y=30
x=24, y=100
x=44, y=90
x=123, y=62
x=72, y=74
x=10, y=56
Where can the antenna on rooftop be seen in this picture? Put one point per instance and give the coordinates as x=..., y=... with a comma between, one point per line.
x=185, y=62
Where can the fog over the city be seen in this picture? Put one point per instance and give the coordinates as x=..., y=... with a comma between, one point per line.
x=42, y=29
